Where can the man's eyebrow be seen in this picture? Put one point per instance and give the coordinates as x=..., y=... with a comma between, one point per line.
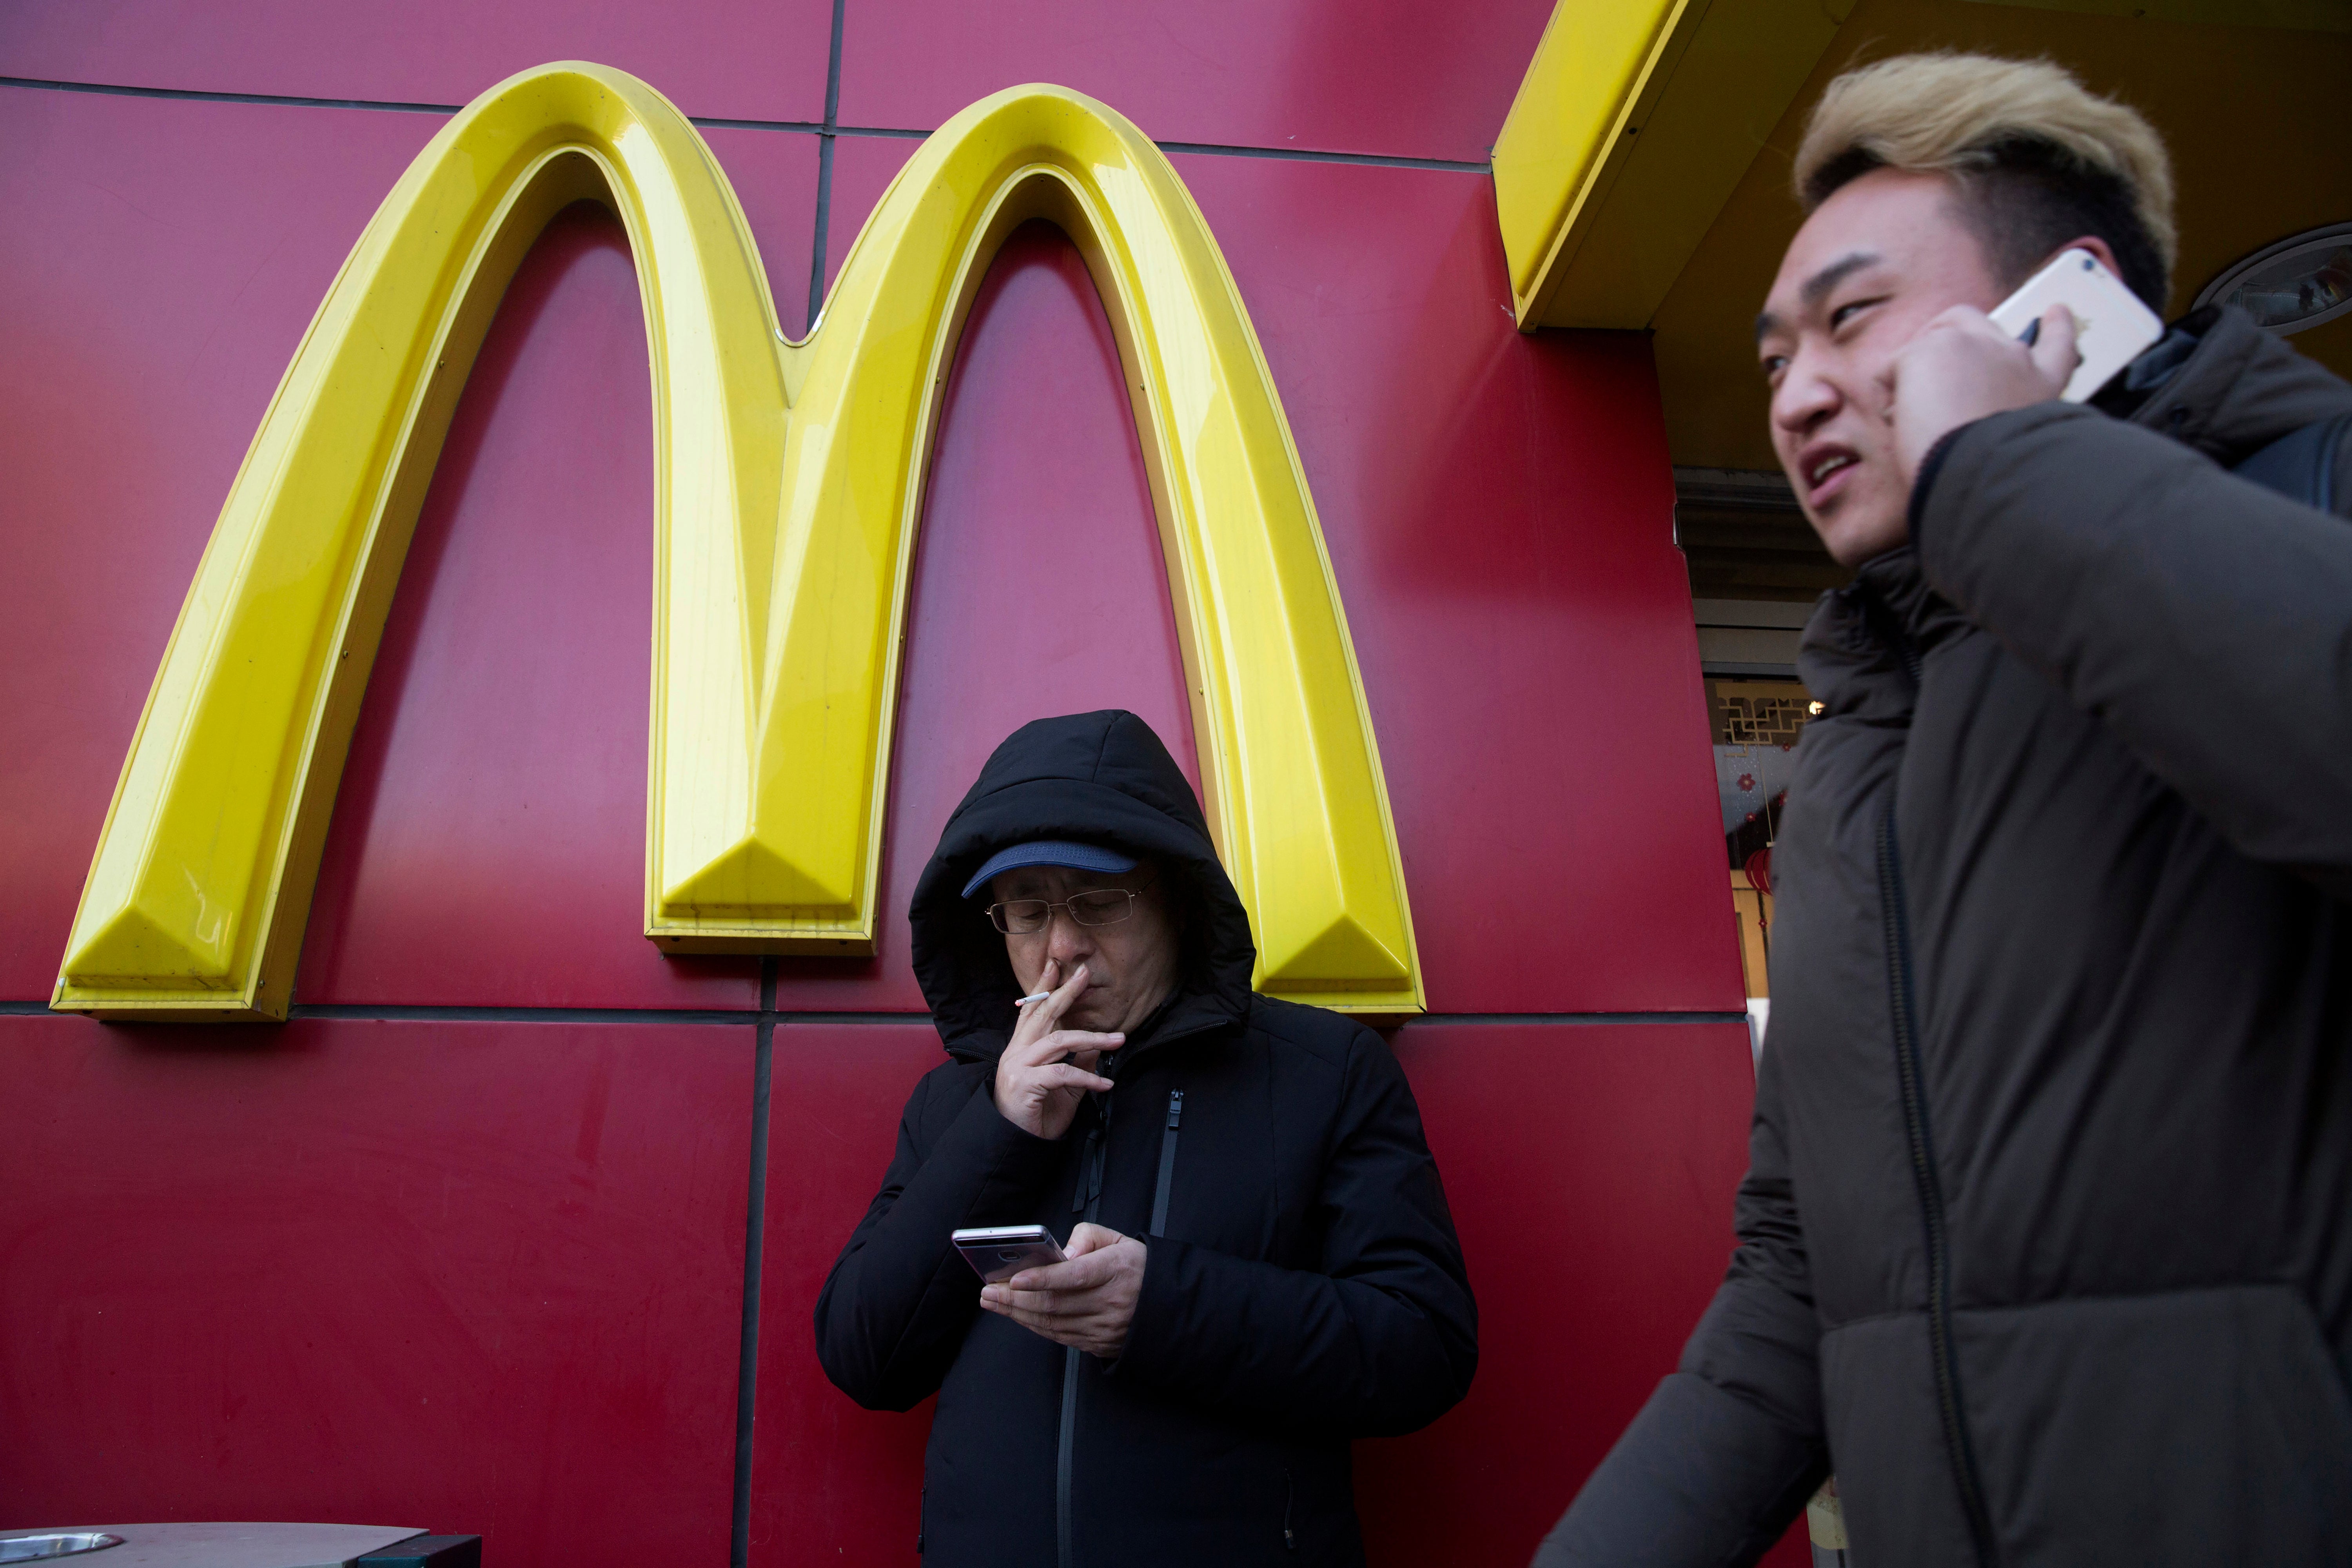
x=1816, y=287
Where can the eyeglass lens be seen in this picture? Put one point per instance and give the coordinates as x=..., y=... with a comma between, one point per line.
x=1025, y=917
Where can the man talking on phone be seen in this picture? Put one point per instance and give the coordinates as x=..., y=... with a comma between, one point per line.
x=2045, y=1246
x=1260, y=1263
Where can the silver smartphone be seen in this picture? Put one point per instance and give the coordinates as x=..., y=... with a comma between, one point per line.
x=1001, y=1251
x=2111, y=324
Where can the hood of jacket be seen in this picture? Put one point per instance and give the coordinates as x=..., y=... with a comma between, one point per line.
x=1100, y=778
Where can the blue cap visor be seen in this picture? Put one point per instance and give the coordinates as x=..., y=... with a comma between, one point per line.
x=1050, y=852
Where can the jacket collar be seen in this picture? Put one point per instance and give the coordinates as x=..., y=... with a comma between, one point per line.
x=2217, y=381
x=1862, y=646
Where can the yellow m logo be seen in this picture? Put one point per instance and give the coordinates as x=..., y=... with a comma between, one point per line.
x=788, y=486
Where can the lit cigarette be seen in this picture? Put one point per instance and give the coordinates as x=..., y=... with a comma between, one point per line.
x=1035, y=996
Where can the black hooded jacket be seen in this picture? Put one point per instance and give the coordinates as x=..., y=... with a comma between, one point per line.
x=2046, y=1239
x=1303, y=1283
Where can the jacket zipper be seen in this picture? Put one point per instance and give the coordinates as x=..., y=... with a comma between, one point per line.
x=1931, y=1196
x=1167, y=1162
x=1063, y=1552
x=1087, y=1200
x=1289, y=1499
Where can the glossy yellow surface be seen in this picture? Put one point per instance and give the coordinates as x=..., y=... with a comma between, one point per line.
x=1568, y=114
x=788, y=491
x=1635, y=124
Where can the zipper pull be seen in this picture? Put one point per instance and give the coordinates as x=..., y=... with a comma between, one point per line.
x=1167, y=1162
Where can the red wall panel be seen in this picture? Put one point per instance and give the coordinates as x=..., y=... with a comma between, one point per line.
x=1390, y=77
x=1591, y=1170
x=480, y=1277
x=862, y=168
x=830, y=1483
x=774, y=177
x=1393, y=77
x=742, y=59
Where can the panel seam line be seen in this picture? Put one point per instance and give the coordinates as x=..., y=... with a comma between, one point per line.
x=768, y=1013
x=828, y=128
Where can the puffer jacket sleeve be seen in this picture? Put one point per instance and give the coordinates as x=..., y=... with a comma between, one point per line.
x=899, y=1300
x=2206, y=620
x=1382, y=1339
x=1726, y=1452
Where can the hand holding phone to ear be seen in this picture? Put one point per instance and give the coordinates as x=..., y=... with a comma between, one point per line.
x=2064, y=333
x=1961, y=368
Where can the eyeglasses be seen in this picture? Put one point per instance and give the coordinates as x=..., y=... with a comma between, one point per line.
x=1102, y=906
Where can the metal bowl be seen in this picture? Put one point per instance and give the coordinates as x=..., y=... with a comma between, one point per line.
x=39, y=1548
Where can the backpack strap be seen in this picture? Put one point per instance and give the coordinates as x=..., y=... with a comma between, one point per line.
x=2301, y=464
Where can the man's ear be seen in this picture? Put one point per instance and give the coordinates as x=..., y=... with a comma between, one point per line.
x=2090, y=242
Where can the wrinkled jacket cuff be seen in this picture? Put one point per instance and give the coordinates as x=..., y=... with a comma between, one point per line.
x=1156, y=1334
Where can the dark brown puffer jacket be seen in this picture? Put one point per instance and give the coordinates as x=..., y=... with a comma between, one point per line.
x=2046, y=1241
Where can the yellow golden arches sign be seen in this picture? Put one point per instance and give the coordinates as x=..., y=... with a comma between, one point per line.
x=788, y=486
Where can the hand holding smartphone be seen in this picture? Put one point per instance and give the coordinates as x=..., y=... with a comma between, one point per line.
x=2111, y=325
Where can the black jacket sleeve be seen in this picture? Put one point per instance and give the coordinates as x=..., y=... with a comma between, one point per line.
x=1723, y=1457
x=1382, y=1339
x=2207, y=621
x=896, y=1306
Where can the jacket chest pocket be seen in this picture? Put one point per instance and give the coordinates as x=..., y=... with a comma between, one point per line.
x=1210, y=1173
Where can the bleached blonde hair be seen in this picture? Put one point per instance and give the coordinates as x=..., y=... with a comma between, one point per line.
x=1971, y=116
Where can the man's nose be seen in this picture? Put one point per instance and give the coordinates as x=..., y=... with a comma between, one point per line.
x=1804, y=398
x=1066, y=941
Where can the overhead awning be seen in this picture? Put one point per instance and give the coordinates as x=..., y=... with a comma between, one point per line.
x=1632, y=127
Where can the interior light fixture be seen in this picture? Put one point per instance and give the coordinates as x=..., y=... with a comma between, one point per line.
x=2301, y=281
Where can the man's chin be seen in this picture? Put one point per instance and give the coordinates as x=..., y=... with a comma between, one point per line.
x=1093, y=1020
x=1854, y=534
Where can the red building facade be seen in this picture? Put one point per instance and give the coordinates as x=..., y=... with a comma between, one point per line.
x=516, y=1224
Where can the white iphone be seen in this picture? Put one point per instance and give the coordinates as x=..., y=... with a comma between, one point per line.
x=2111, y=325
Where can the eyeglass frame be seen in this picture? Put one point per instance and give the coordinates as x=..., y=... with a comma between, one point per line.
x=1046, y=924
